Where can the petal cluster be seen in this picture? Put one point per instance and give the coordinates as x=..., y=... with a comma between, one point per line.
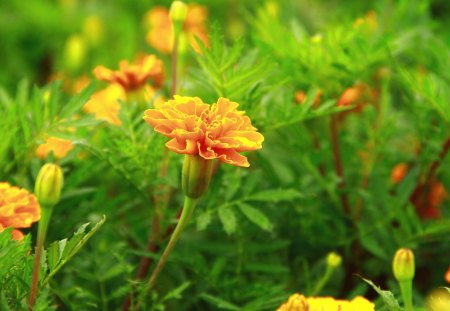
x=18, y=209
x=135, y=75
x=160, y=34
x=299, y=302
x=60, y=148
x=217, y=131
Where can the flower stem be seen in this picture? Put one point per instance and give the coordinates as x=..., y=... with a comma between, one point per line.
x=173, y=87
x=334, y=131
x=406, y=289
x=188, y=208
x=42, y=233
x=323, y=281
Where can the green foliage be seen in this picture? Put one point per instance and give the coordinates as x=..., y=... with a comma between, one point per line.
x=259, y=234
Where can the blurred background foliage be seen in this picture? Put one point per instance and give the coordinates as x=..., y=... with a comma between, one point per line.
x=370, y=78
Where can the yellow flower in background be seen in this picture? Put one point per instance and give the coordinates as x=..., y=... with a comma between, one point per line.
x=134, y=76
x=369, y=22
x=217, y=131
x=18, y=209
x=60, y=148
x=160, y=33
x=298, y=302
x=105, y=104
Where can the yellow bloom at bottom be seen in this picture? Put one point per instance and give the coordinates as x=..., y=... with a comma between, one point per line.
x=18, y=209
x=299, y=302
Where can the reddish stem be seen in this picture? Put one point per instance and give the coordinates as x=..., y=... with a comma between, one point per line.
x=334, y=133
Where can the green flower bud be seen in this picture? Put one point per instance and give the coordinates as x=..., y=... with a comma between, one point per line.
x=178, y=12
x=195, y=176
x=403, y=265
x=334, y=260
x=48, y=185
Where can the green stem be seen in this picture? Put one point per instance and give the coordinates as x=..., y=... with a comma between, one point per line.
x=406, y=289
x=188, y=208
x=46, y=213
x=323, y=281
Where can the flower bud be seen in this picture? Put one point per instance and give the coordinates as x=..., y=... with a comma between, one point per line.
x=196, y=175
x=74, y=52
x=403, y=265
x=48, y=185
x=178, y=12
x=334, y=260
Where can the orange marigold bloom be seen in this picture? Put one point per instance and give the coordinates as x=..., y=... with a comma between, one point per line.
x=134, y=76
x=60, y=148
x=399, y=172
x=160, y=34
x=18, y=209
x=300, y=98
x=217, y=131
x=105, y=105
x=447, y=275
x=298, y=302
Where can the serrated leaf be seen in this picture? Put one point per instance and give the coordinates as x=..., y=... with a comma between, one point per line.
x=62, y=251
x=256, y=216
x=387, y=296
x=203, y=220
x=176, y=293
x=228, y=218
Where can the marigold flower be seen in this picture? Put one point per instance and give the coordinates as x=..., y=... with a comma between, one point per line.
x=399, y=172
x=300, y=98
x=298, y=302
x=428, y=198
x=60, y=148
x=217, y=131
x=447, y=275
x=105, y=104
x=160, y=34
x=18, y=209
x=134, y=76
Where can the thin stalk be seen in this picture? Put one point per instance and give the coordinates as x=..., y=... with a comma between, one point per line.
x=334, y=131
x=173, y=87
x=188, y=208
x=323, y=281
x=406, y=289
x=46, y=213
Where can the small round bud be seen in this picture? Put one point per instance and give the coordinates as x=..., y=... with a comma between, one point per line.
x=48, y=185
x=178, y=12
x=74, y=52
x=196, y=175
x=403, y=265
x=334, y=260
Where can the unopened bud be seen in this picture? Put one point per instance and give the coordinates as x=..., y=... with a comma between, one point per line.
x=334, y=260
x=48, y=185
x=178, y=12
x=74, y=52
x=196, y=175
x=403, y=265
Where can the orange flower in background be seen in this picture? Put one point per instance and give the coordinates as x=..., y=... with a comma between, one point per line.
x=160, y=34
x=428, y=198
x=399, y=172
x=60, y=148
x=18, y=209
x=105, y=104
x=217, y=131
x=133, y=77
x=298, y=302
x=300, y=98
x=447, y=275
